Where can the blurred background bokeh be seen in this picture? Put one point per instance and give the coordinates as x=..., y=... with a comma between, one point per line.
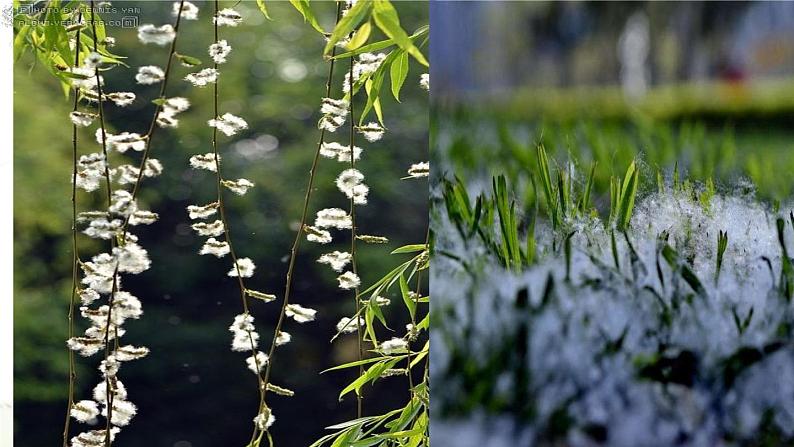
x=192, y=391
x=663, y=80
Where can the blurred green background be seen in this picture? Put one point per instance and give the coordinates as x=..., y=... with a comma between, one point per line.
x=707, y=85
x=192, y=391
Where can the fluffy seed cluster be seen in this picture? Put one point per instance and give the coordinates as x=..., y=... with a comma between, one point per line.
x=334, y=113
x=203, y=77
x=371, y=131
x=219, y=50
x=82, y=119
x=393, y=346
x=364, y=66
x=189, y=10
x=419, y=170
x=299, y=313
x=244, y=268
x=339, y=152
x=348, y=280
x=351, y=183
x=122, y=142
x=228, y=124
x=228, y=17
x=158, y=35
x=149, y=74
x=336, y=259
x=244, y=335
x=347, y=325
x=333, y=218
x=171, y=107
x=205, y=161
x=424, y=81
x=239, y=186
x=202, y=212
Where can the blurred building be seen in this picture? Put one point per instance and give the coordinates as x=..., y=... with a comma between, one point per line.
x=491, y=46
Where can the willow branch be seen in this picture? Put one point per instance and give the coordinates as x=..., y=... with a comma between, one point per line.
x=224, y=219
x=148, y=137
x=304, y=215
x=359, y=333
x=75, y=254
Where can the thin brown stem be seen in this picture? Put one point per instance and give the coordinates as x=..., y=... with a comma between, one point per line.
x=359, y=333
x=304, y=215
x=103, y=133
x=158, y=109
x=224, y=219
x=75, y=254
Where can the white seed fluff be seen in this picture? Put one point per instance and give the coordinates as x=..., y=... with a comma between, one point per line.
x=245, y=266
x=299, y=313
x=219, y=50
x=161, y=35
x=189, y=10
x=227, y=17
x=228, y=124
x=347, y=325
x=336, y=259
x=203, y=78
x=348, y=280
x=239, y=186
x=149, y=74
x=333, y=218
x=394, y=346
x=214, y=247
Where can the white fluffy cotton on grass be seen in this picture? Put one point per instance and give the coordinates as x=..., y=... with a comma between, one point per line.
x=567, y=338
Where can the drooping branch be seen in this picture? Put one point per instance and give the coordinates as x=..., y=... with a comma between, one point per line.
x=303, y=221
x=353, y=258
x=75, y=253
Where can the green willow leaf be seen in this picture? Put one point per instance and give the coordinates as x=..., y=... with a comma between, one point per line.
x=406, y=295
x=360, y=37
x=389, y=22
x=377, y=46
x=398, y=74
x=188, y=60
x=348, y=23
x=263, y=8
x=413, y=248
x=305, y=9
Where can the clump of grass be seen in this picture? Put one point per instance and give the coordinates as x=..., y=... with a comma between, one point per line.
x=622, y=311
x=722, y=245
x=622, y=195
x=563, y=204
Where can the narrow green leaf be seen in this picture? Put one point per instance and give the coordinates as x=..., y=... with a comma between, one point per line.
x=377, y=46
x=389, y=22
x=399, y=71
x=627, y=196
x=348, y=23
x=187, y=60
x=355, y=363
x=360, y=37
x=305, y=9
x=406, y=295
x=372, y=87
x=263, y=8
x=588, y=188
x=413, y=248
